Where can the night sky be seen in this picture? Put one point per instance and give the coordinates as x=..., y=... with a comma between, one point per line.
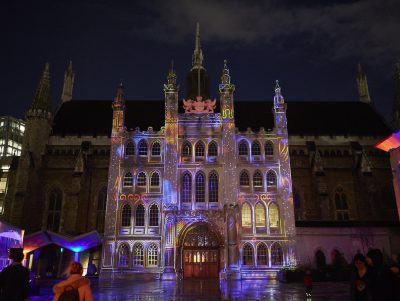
x=312, y=47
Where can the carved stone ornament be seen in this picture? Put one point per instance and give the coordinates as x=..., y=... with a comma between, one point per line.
x=199, y=105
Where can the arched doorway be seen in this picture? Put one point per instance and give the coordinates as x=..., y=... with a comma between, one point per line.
x=200, y=253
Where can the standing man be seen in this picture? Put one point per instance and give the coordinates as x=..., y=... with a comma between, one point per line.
x=14, y=280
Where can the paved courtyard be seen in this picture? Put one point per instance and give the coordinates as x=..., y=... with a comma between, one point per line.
x=208, y=290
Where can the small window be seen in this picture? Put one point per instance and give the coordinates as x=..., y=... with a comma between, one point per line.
x=262, y=254
x=156, y=149
x=246, y=215
x=269, y=148
x=155, y=179
x=128, y=180
x=255, y=149
x=200, y=188
x=244, y=178
x=186, y=149
x=153, y=216
x=257, y=179
x=152, y=255
x=141, y=179
x=213, y=187
x=199, y=149
x=130, y=149
x=212, y=149
x=186, y=188
x=126, y=216
x=247, y=254
x=142, y=148
x=271, y=179
x=243, y=148
x=138, y=255
x=140, y=215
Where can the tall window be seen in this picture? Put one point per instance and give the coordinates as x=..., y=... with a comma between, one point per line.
x=153, y=215
x=248, y=255
x=54, y=210
x=276, y=254
x=152, y=255
x=186, y=188
x=126, y=216
x=138, y=255
x=262, y=254
x=246, y=215
x=212, y=149
x=257, y=179
x=199, y=149
x=101, y=209
x=186, y=149
x=273, y=214
x=342, y=208
x=142, y=148
x=243, y=148
x=128, y=180
x=140, y=215
x=244, y=178
x=156, y=149
x=255, y=148
x=260, y=215
x=271, y=179
x=200, y=188
x=269, y=148
x=130, y=149
x=123, y=255
x=213, y=187
x=141, y=179
x=155, y=179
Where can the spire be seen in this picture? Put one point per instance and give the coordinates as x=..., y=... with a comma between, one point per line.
x=226, y=79
x=42, y=100
x=171, y=80
x=197, y=58
x=119, y=100
x=362, y=85
x=278, y=98
x=69, y=77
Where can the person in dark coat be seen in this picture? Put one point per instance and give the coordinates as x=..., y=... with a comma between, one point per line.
x=14, y=280
x=360, y=283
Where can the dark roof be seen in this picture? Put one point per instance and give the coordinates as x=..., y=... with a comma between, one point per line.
x=304, y=118
x=333, y=224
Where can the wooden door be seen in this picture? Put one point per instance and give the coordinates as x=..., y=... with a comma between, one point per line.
x=201, y=263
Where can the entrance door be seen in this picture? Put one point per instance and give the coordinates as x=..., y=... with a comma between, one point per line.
x=201, y=254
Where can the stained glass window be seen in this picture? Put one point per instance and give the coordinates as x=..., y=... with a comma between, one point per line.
x=130, y=149
x=246, y=215
x=257, y=179
x=126, y=216
x=156, y=149
x=140, y=215
x=200, y=188
x=186, y=188
x=142, y=148
x=260, y=215
x=212, y=149
x=152, y=255
x=273, y=212
x=247, y=255
x=243, y=148
x=244, y=178
x=255, y=149
x=213, y=187
x=262, y=254
x=138, y=255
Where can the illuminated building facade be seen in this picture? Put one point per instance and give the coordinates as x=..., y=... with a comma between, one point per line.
x=11, y=134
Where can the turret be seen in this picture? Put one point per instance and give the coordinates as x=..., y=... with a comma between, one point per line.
x=362, y=85
x=69, y=77
x=118, y=106
x=226, y=90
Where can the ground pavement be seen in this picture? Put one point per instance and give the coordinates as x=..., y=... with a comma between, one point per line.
x=208, y=290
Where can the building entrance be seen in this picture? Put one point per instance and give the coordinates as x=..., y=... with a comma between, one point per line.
x=201, y=254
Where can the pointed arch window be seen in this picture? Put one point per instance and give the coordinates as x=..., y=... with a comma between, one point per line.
x=341, y=205
x=128, y=180
x=276, y=254
x=156, y=149
x=212, y=149
x=186, y=149
x=244, y=178
x=138, y=255
x=186, y=188
x=248, y=258
x=155, y=179
x=54, y=210
x=271, y=179
x=269, y=148
x=243, y=148
x=101, y=209
x=152, y=255
x=200, y=188
x=255, y=148
x=199, y=150
x=273, y=215
x=123, y=256
x=213, y=187
x=246, y=215
x=130, y=149
x=141, y=179
x=260, y=215
x=140, y=215
x=142, y=148
x=126, y=216
x=258, y=179
x=262, y=254
x=153, y=216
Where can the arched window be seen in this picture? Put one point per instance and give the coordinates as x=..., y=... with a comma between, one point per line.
x=271, y=179
x=54, y=210
x=243, y=148
x=213, y=187
x=262, y=254
x=255, y=148
x=257, y=179
x=101, y=209
x=123, y=256
x=260, y=215
x=342, y=208
x=186, y=149
x=269, y=148
x=130, y=149
x=140, y=215
x=142, y=148
x=153, y=216
x=141, y=179
x=320, y=259
x=200, y=188
x=152, y=255
x=212, y=149
x=138, y=255
x=128, y=180
x=244, y=178
x=273, y=214
x=248, y=255
x=156, y=149
x=186, y=188
x=276, y=254
x=155, y=179
x=246, y=215
x=126, y=216
x=199, y=149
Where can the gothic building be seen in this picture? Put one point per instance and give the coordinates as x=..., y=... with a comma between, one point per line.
x=209, y=187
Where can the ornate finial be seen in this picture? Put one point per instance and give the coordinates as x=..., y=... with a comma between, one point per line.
x=42, y=99
x=120, y=97
x=277, y=87
x=278, y=98
x=171, y=80
x=197, y=58
x=70, y=65
x=226, y=78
